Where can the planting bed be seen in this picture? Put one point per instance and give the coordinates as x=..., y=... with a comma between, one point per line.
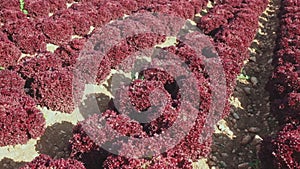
x=47, y=57
x=283, y=149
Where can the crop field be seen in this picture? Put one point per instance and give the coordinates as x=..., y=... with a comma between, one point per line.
x=158, y=84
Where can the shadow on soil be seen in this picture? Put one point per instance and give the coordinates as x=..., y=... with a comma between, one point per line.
x=55, y=141
x=8, y=163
